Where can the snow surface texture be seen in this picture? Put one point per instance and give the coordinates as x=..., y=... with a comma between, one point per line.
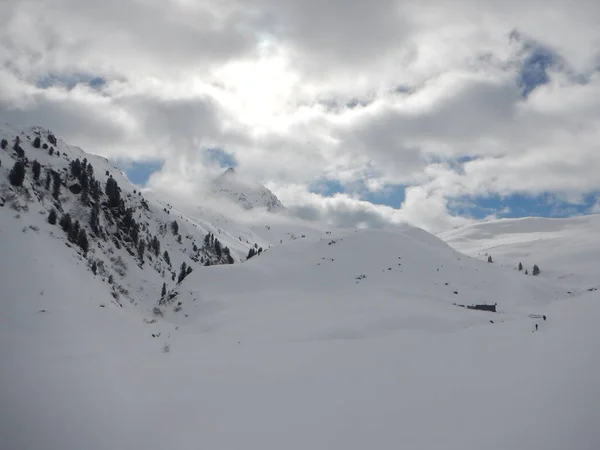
x=246, y=194
x=340, y=339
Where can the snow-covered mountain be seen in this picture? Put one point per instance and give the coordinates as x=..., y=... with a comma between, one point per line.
x=566, y=249
x=131, y=240
x=329, y=339
x=244, y=193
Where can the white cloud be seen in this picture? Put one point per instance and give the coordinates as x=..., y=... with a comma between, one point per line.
x=369, y=94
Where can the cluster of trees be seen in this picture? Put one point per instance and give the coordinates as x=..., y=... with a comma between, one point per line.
x=84, y=173
x=75, y=232
x=214, y=246
x=256, y=250
x=534, y=271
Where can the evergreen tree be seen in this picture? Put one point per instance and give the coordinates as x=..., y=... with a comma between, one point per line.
x=17, y=147
x=520, y=267
x=65, y=222
x=141, y=250
x=94, y=268
x=37, y=142
x=17, y=174
x=135, y=234
x=175, y=227
x=113, y=192
x=95, y=219
x=536, y=270
x=52, y=217
x=74, y=232
x=251, y=253
x=163, y=291
x=182, y=272
x=48, y=180
x=156, y=246
x=51, y=151
x=188, y=271
x=3, y=144
x=207, y=240
x=167, y=258
x=82, y=241
x=36, y=168
x=526, y=272
x=218, y=250
x=56, y=185
x=490, y=259
x=76, y=168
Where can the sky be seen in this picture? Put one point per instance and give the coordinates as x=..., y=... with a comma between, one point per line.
x=437, y=113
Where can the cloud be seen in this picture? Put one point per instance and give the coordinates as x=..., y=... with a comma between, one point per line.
x=474, y=100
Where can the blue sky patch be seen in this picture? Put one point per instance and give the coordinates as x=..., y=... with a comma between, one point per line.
x=519, y=205
x=221, y=157
x=139, y=172
x=389, y=196
x=70, y=81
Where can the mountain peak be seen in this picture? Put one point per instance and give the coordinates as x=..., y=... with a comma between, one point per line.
x=246, y=193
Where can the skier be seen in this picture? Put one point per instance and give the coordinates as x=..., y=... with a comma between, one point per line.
x=544, y=317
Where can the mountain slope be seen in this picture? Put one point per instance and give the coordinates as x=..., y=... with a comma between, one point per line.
x=292, y=353
x=354, y=284
x=564, y=249
x=329, y=339
x=246, y=194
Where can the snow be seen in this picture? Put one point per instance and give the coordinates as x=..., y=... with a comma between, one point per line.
x=341, y=339
x=230, y=185
x=565, y=249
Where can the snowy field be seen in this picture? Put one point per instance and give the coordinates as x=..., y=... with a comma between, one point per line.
x=327, y=339
x=290, y=351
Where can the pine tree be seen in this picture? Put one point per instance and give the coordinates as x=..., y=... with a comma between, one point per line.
x=167, y=258
x=490, y=259
x=526, y=272
x=94, y=268
x=163, y=291
x=156, y=246
x=182, y=272
x=82, y=241
x=76, y=168
x=175, y=227
x=251, y=253
x=37, y=142
x=17, y=174
x=141, y=250
x=95, y=219
x=218, y=250
x=113, y=192
x=65, y=222
x=3, y=144
x=56, y=185
x=48, y=180
x=17, y=148
x=74, y=232
x=536, y=270
x=520, y=267
x=52, y=217
x=36, y=168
